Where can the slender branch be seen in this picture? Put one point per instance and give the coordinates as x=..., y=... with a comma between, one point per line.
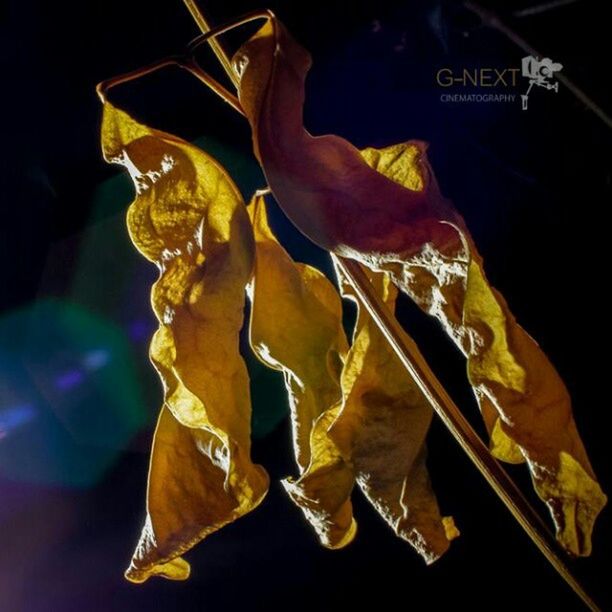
x=215, y=45
x=231, y=99
x=187, y=61
x=188, y=64
x=103, y=87
x=209, y=35
x=541, y=8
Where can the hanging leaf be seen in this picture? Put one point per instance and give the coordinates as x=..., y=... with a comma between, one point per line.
x=383, y=423
x=189, y=219
x=296, y=328
x=323, y=491
x=371, y=207
x=380, y=431
x=524, y=402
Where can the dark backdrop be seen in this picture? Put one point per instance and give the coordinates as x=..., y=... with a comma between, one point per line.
x=78, y=398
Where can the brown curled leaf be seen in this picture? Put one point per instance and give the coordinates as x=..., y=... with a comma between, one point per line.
x=369, y=207
x=189, y=219
x=322, y=183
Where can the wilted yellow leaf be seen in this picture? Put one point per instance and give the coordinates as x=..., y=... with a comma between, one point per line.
x=296, y=327
x=189, y=219
x=382, y=426
x=387, y=218
x=524, y=402
x=323, y=491
x=379, y=431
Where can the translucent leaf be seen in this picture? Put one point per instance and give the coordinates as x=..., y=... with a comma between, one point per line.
x=374, y=208
x=524, y=402
x=379, y=432
x=189, y=219
x=383, y=424
x=323, y=491
x=296, y=328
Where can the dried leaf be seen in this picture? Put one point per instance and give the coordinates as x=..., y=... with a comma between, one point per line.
x=524, y=402
x=382, y=427
x=376, y=436
x=322, y=183
x=405, y=227
x=189, y=219
x=323, y=491
x=296, y=327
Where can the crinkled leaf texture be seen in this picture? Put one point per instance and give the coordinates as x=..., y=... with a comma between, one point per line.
x=383, y=425
x=296, y=327
x=367, y=424
x=371, y=207
x=378, y=431
x=190, y=220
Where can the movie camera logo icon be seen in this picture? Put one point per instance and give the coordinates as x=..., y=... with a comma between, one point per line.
x=540, y=72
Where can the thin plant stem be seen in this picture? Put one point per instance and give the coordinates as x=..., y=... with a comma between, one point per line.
x=201, y=22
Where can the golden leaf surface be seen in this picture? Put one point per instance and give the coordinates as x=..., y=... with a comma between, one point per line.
x=296, y=328
x=383, y=425
x=189, y=218
x=376, y=437
x=371, y=207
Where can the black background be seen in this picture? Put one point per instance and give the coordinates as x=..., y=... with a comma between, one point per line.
x=533, y=186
